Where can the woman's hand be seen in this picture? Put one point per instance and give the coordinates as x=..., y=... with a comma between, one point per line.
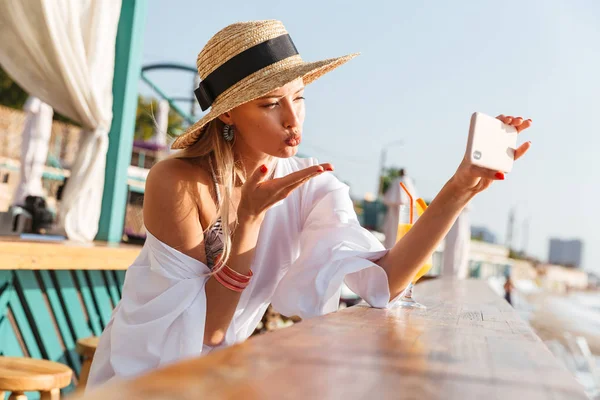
x=403, y=261
x=259, y=195
x=474, y=179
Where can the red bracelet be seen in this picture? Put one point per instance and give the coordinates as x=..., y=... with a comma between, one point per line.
x=231, y=281
x=230, y=278
x=241, y=278
x=228, y=285
x=235, y=275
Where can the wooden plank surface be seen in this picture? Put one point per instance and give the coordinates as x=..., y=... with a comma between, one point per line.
x=21, y=254
x=74, y=305
x=88, y=300
x=101, y=295
x=61, y=322
x=40, y=316
x=22, y=324
x=112, y=286
x=468, y=344
x=43, y=313
x=120, y=275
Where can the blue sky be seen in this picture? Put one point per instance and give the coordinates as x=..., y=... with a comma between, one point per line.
x=422, y=72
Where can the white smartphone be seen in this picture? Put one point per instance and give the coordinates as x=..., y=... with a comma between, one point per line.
x=491, y=143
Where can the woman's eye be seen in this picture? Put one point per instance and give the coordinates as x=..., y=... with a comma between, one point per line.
x=270, y=105
x=299, y=98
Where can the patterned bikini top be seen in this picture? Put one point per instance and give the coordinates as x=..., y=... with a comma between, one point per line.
x=213, y=237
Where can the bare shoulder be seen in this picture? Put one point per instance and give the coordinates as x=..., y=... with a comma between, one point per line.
x=174, y=172
x=175, y=192
x=174, y=183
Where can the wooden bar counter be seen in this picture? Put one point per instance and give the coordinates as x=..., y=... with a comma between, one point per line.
x=53, y=294
x=468, y=344
x=18, y=254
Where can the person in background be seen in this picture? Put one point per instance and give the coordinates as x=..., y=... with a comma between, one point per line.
x=508, y=288
x=393, y=198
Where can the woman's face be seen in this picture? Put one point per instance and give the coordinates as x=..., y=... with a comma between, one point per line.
x=270, y=125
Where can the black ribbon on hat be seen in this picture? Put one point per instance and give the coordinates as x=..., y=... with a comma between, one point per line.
x=242, y=65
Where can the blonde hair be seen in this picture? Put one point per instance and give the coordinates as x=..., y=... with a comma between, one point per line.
x=212, y=148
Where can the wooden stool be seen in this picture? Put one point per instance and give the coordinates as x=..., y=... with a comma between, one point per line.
x=20, y=374
x=86, y=348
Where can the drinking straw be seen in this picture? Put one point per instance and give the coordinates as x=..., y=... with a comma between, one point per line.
x=412, y=207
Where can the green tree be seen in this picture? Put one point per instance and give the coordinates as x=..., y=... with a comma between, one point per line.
x=11, y=94
x=389, y=175
x=144, y=119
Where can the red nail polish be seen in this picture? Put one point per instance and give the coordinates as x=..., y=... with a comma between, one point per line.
x=263, y=169
x=329, y=169
x=499, y=175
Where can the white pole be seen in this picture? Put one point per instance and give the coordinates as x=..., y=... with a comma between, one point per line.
x=162, y=123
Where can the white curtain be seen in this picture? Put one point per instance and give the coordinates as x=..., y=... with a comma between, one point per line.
x=34, y=149
x=62, y=51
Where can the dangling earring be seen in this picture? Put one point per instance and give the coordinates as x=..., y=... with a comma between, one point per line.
x=228, y=133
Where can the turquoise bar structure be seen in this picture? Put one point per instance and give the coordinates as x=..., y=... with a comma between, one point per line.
x=128, y=63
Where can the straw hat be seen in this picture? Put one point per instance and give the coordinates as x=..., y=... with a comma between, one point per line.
x=245, y=61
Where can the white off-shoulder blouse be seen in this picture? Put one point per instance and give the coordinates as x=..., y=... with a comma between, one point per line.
x=309, y=244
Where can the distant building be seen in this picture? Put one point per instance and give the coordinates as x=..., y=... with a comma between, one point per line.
x=483, y=234
x=566, y=252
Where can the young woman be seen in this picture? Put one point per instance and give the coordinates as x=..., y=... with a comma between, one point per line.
x=236, y=222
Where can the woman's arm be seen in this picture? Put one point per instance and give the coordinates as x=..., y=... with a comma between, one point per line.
x=221, y=302
x=414, y=249
x=175, y=193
